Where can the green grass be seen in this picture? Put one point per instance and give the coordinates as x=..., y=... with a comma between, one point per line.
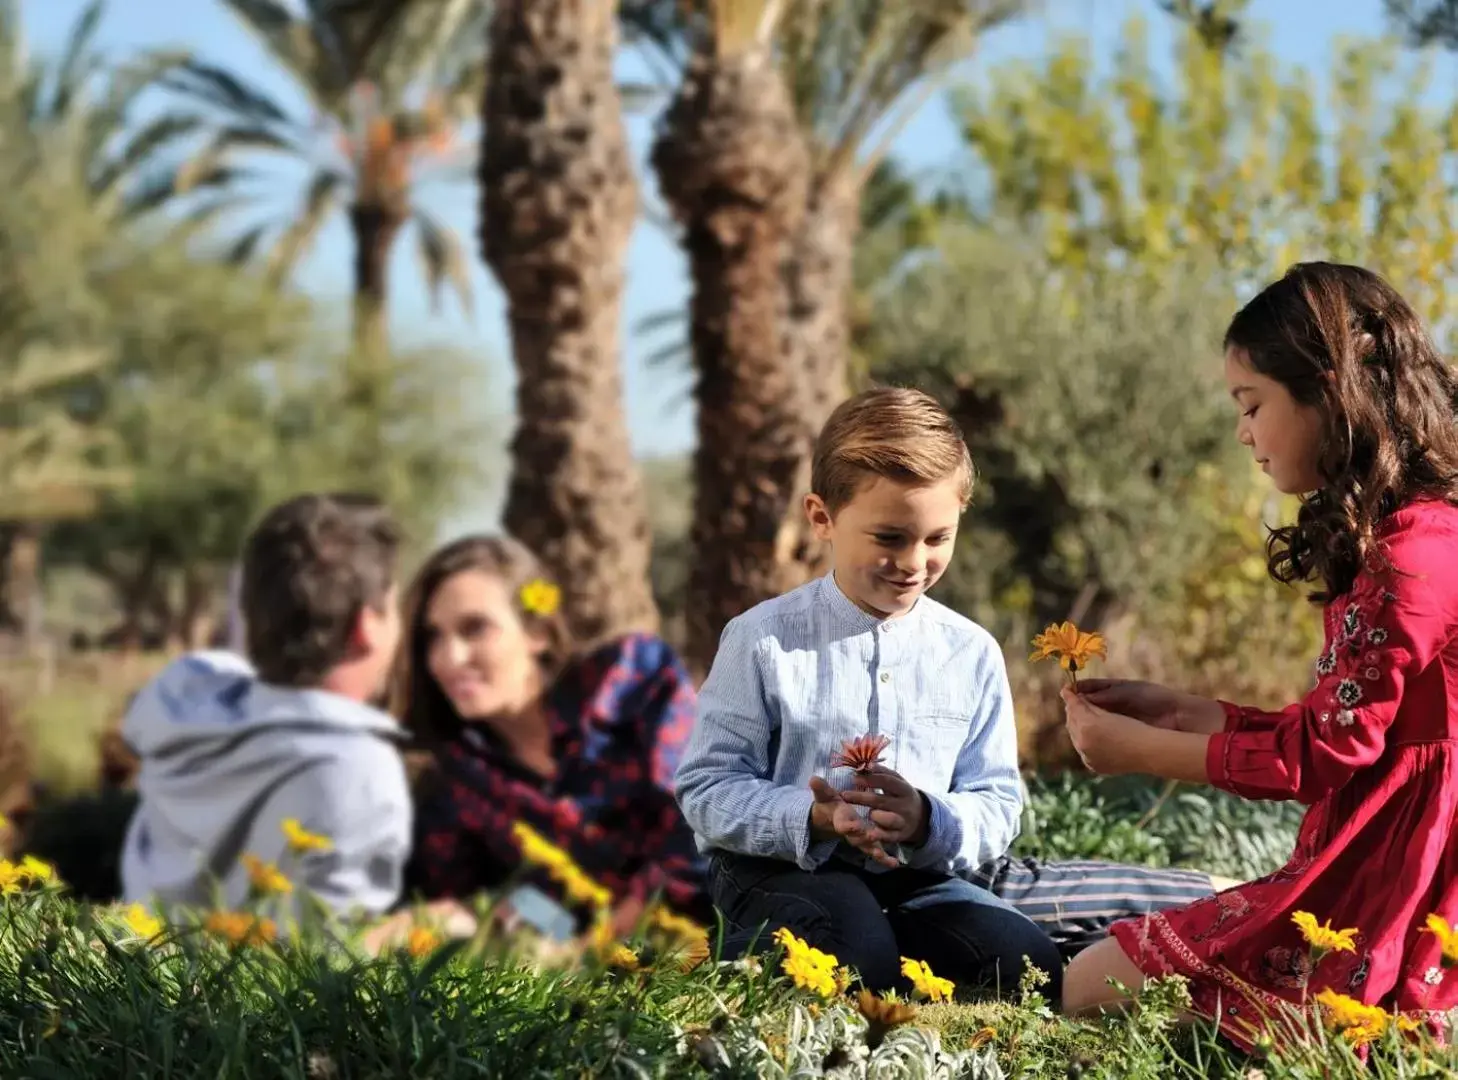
x=82, y=997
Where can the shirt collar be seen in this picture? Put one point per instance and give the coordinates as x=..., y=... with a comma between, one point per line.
x=847, y=614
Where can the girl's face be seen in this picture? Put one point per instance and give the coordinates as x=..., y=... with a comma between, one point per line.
x=479, y=652
x=1284, y=435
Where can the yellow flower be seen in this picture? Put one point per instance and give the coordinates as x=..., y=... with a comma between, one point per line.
x=677, y=925
x=624, y=958
x=1322, y=938
x=266, y=877
x=1071, y=647
x=422, y=941
x=240, y=928
x=808, y=967
x=809, y=974
x=1359, y=1023
x=539, y=851
x=301, y=840
x=694, y=953
x=1447, y=939
x=540, y=597
x=29, y=871
x=37, y=870
x=142, y=922
x=601, y=935
x=1409, y=1024
x=927, y=985
x=12, y=879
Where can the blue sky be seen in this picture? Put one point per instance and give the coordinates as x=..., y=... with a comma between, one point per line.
x=661, y=420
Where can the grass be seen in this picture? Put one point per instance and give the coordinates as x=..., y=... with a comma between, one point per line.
x=82, y=995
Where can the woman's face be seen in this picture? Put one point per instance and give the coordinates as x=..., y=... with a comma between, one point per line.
x=477, y=649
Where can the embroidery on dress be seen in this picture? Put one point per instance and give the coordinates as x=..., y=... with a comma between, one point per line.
x=1351, y=657
x=1229, y=907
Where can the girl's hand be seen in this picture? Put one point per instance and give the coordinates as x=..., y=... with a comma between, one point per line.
x=1108, y=742
x=1156, y=705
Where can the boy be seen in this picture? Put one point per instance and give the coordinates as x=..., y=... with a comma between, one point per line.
x=231, y=749
x=866, y=866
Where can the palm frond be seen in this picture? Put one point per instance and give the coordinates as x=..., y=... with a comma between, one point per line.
x=444, y=261
x=221, y=89
x=321, y=198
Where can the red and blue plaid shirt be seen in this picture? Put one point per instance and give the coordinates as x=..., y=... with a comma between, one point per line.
x=620, y=718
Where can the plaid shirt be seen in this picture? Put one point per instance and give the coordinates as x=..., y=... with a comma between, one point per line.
x=620, y=718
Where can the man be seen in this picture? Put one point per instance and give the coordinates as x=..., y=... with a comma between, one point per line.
x=231, y=749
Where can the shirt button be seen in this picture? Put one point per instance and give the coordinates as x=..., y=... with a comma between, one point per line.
x=885, y=676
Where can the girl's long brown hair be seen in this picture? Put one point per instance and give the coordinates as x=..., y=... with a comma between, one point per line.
x=1340, y=338
x=415, y=699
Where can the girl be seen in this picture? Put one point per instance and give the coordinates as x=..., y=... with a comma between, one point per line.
x=1345, y=401
x=579, y=746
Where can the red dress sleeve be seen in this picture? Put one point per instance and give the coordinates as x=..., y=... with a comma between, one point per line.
x=1249, y=718
x=1379, y=636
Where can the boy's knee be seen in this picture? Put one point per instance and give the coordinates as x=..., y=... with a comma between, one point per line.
x=1005, y=948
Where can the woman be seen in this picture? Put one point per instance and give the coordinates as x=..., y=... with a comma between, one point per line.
x=583, y=748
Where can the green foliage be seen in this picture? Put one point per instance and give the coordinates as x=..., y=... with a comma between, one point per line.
x=1086, y=400
x=1231, y=161
x=82, y=996
x=1124, y=820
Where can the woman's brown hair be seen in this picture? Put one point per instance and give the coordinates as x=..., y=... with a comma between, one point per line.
x=415, y=699
x=1340, y=339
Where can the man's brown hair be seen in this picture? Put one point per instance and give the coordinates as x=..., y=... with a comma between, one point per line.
x=309, y=568
x=900, y=434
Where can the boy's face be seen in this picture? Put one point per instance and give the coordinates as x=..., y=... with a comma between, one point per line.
x=891, y=542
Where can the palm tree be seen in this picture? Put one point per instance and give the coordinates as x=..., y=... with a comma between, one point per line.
x=73, y=153
x=558, y=206
x=732, y=166
x=390, y=85
x=857, y=71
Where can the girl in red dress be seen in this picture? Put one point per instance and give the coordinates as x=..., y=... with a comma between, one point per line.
x=1345, y=401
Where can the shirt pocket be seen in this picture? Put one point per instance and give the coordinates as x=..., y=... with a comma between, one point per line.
x=930, y=747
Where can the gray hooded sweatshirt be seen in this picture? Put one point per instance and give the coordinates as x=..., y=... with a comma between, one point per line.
x=227, y=758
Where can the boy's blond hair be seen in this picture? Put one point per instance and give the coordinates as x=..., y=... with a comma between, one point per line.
x=900, y=434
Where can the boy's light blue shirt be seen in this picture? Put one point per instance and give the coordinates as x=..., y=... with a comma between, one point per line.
x=797, y=675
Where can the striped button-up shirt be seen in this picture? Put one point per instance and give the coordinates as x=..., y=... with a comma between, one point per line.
x=799, y=674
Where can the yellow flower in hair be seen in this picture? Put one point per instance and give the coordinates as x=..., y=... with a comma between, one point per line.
x=541, y=597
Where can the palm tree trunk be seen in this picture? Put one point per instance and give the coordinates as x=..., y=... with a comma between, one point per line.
x=375, y=227
x=818, y=276
x=731, y=163
x=375, y=230
x=558, y=206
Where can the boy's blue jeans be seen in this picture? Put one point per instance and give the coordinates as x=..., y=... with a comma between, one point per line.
x=870, y=920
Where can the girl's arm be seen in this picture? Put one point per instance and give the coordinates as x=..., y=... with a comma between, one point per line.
x=1386, y=632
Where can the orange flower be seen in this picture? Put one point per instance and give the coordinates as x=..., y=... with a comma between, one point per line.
x=422, y=941
x=240, y=928
x=860, y=753
x=881, y=1016
x=1071, y=647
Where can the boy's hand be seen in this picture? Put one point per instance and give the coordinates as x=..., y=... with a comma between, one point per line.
x=832, y=816
x=1108, y=742
x=899, y=811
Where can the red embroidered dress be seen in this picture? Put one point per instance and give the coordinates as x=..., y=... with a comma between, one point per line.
x=1373, y=750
